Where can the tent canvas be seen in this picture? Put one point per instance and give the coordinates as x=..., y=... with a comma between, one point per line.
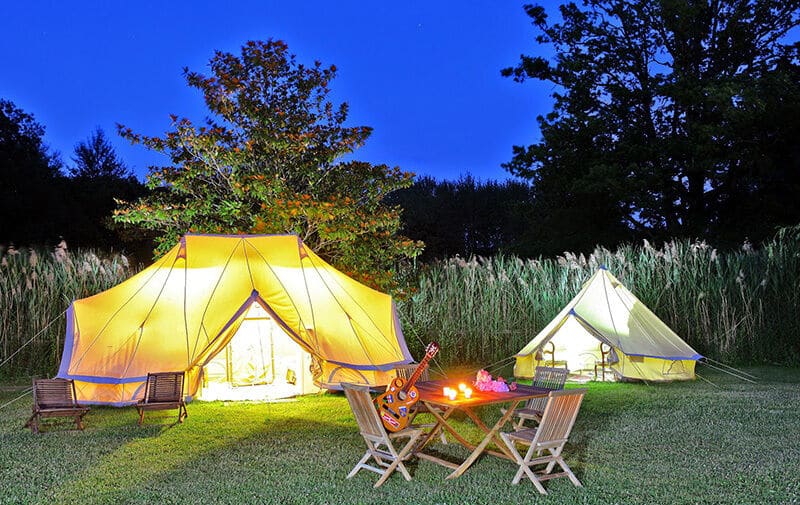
x=606, y=316
x=185, y=309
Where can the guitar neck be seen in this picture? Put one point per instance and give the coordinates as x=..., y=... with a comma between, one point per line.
x=420, y=368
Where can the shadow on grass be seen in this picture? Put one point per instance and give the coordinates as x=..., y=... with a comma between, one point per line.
x=215, y=448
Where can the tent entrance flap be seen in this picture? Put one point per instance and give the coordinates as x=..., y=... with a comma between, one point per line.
x=261, y=361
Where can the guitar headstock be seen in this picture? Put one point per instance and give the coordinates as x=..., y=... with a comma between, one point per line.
x=432, y=349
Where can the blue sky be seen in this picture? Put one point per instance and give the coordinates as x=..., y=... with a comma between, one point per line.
x=424, y=75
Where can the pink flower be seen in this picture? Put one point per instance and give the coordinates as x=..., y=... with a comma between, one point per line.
x=484, y=382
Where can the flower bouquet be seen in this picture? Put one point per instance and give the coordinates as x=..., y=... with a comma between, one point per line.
x=484, y=382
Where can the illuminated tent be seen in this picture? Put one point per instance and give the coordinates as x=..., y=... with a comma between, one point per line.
x=232, y=308
x=606, y=327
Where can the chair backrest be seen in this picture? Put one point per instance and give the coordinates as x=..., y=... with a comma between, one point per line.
x=54, y=393
x=405, y=371
x=369, y=422
x=164, y=387
x=559, y=417
x=547, y=377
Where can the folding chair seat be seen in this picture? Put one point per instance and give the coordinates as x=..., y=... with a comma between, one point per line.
x=404, y=372
x=544, y=377
x=551, y=435
x=380, y=444
x=55, y=398
x=163, y=391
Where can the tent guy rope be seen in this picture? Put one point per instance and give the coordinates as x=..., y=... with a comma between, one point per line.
x=728, y=370
x=32, y=338
x=23, y=395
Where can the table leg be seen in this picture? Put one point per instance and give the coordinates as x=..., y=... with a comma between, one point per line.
x=443, y=424
x=498, y=442
x=488, y=438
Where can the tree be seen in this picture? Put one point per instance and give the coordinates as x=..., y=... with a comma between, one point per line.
x=268, y=160
x=96, y=158
x=671, y=118
x=98, y=179
x=32, y=204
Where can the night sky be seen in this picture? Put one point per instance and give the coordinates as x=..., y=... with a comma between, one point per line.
x=425, y=75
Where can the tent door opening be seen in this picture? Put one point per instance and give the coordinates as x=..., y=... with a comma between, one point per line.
x=260, y=362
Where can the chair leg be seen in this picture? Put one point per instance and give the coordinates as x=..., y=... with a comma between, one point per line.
x=563, y=464
x=385, y=469
x=398, y=460
x=141, y=415
x=396, y=464
x=33, y=423
x=359, y=465
x=524, y=468
x=79, y=422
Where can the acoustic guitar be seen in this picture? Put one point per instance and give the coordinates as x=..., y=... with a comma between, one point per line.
x=395, y=404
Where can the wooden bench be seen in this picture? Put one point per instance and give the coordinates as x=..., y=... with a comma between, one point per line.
x=55, y=398
x=163, y=391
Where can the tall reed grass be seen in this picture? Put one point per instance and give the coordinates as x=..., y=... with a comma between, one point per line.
x=36, y=287
x=739, y=307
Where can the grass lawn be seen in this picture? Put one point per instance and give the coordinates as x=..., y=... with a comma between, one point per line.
x=731, y=442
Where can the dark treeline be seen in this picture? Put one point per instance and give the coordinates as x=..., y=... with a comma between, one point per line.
x=42, y=200
x=466, y=217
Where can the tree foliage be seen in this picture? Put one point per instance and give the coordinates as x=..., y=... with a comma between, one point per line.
x=96, y=158
x=98, y=179
x=32, y=203
x=671, y=118
x=39, y=205
x=268, y=160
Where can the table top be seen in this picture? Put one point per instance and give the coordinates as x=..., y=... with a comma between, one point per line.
x=431, y=392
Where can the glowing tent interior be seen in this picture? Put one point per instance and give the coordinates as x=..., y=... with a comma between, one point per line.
x=232, y=311
x=606, y=332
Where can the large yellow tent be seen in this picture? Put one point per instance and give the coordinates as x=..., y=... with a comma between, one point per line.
x=243, y=309
x=605, y=325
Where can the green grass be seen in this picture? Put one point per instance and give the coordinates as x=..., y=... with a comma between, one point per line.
x=731, y=442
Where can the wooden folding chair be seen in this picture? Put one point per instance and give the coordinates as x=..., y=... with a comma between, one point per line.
x=379, y=442
x=404, y=372
x=544, y=377
x=55, y=398
x=551, y=435
x=163, y=390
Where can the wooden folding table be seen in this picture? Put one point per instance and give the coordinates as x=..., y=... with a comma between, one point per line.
x=442, y=407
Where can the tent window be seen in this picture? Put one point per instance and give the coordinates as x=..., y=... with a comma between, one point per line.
x=636, y=359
